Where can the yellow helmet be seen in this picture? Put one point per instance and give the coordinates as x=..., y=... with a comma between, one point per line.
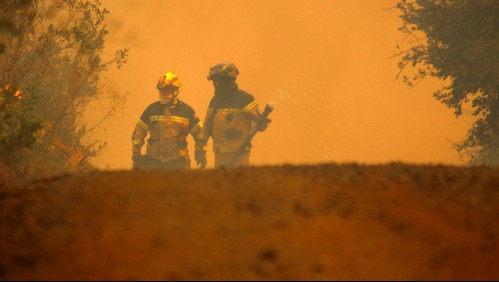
x=168, y=80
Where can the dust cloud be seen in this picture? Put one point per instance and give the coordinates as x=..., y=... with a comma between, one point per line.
x=325, y=65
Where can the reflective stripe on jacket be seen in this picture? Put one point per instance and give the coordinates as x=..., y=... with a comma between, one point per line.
x=229, y=121
x=168, y=128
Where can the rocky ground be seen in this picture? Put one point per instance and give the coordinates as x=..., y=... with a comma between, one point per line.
x=316, y=222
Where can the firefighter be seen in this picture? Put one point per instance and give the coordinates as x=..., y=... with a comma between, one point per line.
x=231, y=115
x=168, y=122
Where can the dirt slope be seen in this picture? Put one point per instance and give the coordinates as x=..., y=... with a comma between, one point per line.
x=322, y=222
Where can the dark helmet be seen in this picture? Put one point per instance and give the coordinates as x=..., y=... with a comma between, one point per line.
x=223, y=70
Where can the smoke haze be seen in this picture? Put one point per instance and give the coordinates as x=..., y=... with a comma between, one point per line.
x=325, y=64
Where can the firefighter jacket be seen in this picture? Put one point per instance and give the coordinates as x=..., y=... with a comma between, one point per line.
x=229, y=121
x=168, y=127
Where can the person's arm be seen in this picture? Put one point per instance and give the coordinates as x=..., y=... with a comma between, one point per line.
x=138, y=137
x=207, y=126
x=253, y=111
x=200, y=144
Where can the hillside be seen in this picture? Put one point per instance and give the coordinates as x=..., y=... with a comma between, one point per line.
x=314, y=222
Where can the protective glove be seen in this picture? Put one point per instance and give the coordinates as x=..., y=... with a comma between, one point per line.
x=136, y=158
x=262, y=124
x=200, y=157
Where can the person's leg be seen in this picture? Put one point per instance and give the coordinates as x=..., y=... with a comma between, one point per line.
x=224, y=159
x=148, y=163
x=183, y=163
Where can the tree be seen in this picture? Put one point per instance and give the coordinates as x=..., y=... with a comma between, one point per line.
x=457, y=41
x=53, y=54
x=17, y=120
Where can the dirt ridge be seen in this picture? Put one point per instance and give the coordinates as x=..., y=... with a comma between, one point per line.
x=295, y=222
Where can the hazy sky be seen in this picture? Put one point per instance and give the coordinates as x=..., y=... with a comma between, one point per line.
x=324, y=63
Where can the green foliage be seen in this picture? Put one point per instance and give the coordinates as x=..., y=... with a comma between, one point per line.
x=53, y=52
x=18, y=121
x=457, y=41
